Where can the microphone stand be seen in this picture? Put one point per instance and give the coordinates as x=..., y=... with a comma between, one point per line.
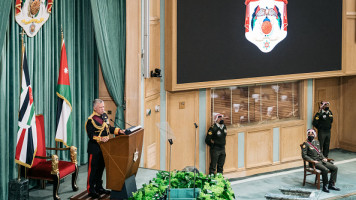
x=170, y=160
x=195, y=154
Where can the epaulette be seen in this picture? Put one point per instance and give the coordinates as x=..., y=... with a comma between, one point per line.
x=304, y=145
x=100, y=128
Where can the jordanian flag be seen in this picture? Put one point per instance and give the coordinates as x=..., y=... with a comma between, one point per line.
x=26, y=146
x=64, y=103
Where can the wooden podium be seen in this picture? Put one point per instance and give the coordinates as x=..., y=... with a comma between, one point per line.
x=122, y=156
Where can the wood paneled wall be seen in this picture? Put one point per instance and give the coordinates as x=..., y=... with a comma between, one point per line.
x=152, y=93
x=110, y=106
x=182, y=113
x=349, y=37
x=291, y=136
x=152, y=134
x=133, y=62
x=347, y=136
x=231, y=150
x=259, y=148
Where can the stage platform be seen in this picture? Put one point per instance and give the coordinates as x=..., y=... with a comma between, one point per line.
x=252, y=187
x=84, y=196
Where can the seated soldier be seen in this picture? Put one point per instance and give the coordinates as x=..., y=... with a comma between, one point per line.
x=311, y=152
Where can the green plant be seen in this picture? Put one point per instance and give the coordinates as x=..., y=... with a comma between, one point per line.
x=213, y=187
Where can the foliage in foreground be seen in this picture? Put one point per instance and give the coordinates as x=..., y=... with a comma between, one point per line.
x=213, y=187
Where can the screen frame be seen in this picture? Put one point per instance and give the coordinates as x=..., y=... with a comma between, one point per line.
x=171, y=83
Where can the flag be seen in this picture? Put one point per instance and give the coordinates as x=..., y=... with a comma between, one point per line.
x=64, y=102
x=26, y=146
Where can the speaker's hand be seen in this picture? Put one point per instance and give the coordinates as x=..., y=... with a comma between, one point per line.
x=104, y=139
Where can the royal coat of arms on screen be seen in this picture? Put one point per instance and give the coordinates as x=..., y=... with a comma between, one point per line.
x=266, y=23
x=32, y=14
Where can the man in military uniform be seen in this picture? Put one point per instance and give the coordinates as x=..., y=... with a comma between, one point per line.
x=98, y=131
x=322, y=121
x=216, y=139
x=311, y=152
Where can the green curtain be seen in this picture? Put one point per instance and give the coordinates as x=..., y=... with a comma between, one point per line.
x=109, y=18
x=4, y=15
x=43, y=53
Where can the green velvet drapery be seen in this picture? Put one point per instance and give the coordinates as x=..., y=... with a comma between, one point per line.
x=109, y=18
x=43, y=53
x=4, y=15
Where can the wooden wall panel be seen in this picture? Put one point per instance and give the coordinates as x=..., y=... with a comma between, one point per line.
x=110, y=106
x=348, y=136
x=259, y=148
x=350, y=6
x=231, y=162
x=152, y=135
x=152, y=92
x=152, y=85
x=182, y=113
x=133, y=61
x=349, y=37
x=328, y=89
x=290, y=139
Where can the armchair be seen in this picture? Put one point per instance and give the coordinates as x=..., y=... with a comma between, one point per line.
x=309, y=169
x=54, y=169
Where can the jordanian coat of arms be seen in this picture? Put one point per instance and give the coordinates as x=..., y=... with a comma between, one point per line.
x=266, y=23
x=32, y=14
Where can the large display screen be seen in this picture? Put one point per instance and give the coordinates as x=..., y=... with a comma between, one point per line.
x=233, y=39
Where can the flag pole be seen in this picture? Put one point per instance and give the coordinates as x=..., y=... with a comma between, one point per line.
x=62, y=37
x=22, y=51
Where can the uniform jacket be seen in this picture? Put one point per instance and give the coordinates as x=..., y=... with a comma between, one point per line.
x=217, y=134
x=323, y=120
x=311, y=151
x=97, y=128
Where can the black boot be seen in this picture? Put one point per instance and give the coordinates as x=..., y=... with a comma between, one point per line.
x=93, y=195
x=325, y=188
x=333, y=187
x=99, y=188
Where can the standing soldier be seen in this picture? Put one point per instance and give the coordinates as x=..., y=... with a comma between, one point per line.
x=216, y=139
x=322, y=121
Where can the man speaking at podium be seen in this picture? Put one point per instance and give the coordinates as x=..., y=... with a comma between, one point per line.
x=98, y=131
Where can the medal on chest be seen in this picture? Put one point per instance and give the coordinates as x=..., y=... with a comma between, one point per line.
x=218, y=133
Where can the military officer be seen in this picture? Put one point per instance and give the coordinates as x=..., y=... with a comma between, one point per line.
x=311, y=152
x=98, y=131
x=216, y=139
x=322, y=121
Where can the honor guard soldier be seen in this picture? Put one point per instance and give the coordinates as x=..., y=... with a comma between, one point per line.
x=322, y=121
x=98, y=131
x=311, y=152
x=216, y=139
